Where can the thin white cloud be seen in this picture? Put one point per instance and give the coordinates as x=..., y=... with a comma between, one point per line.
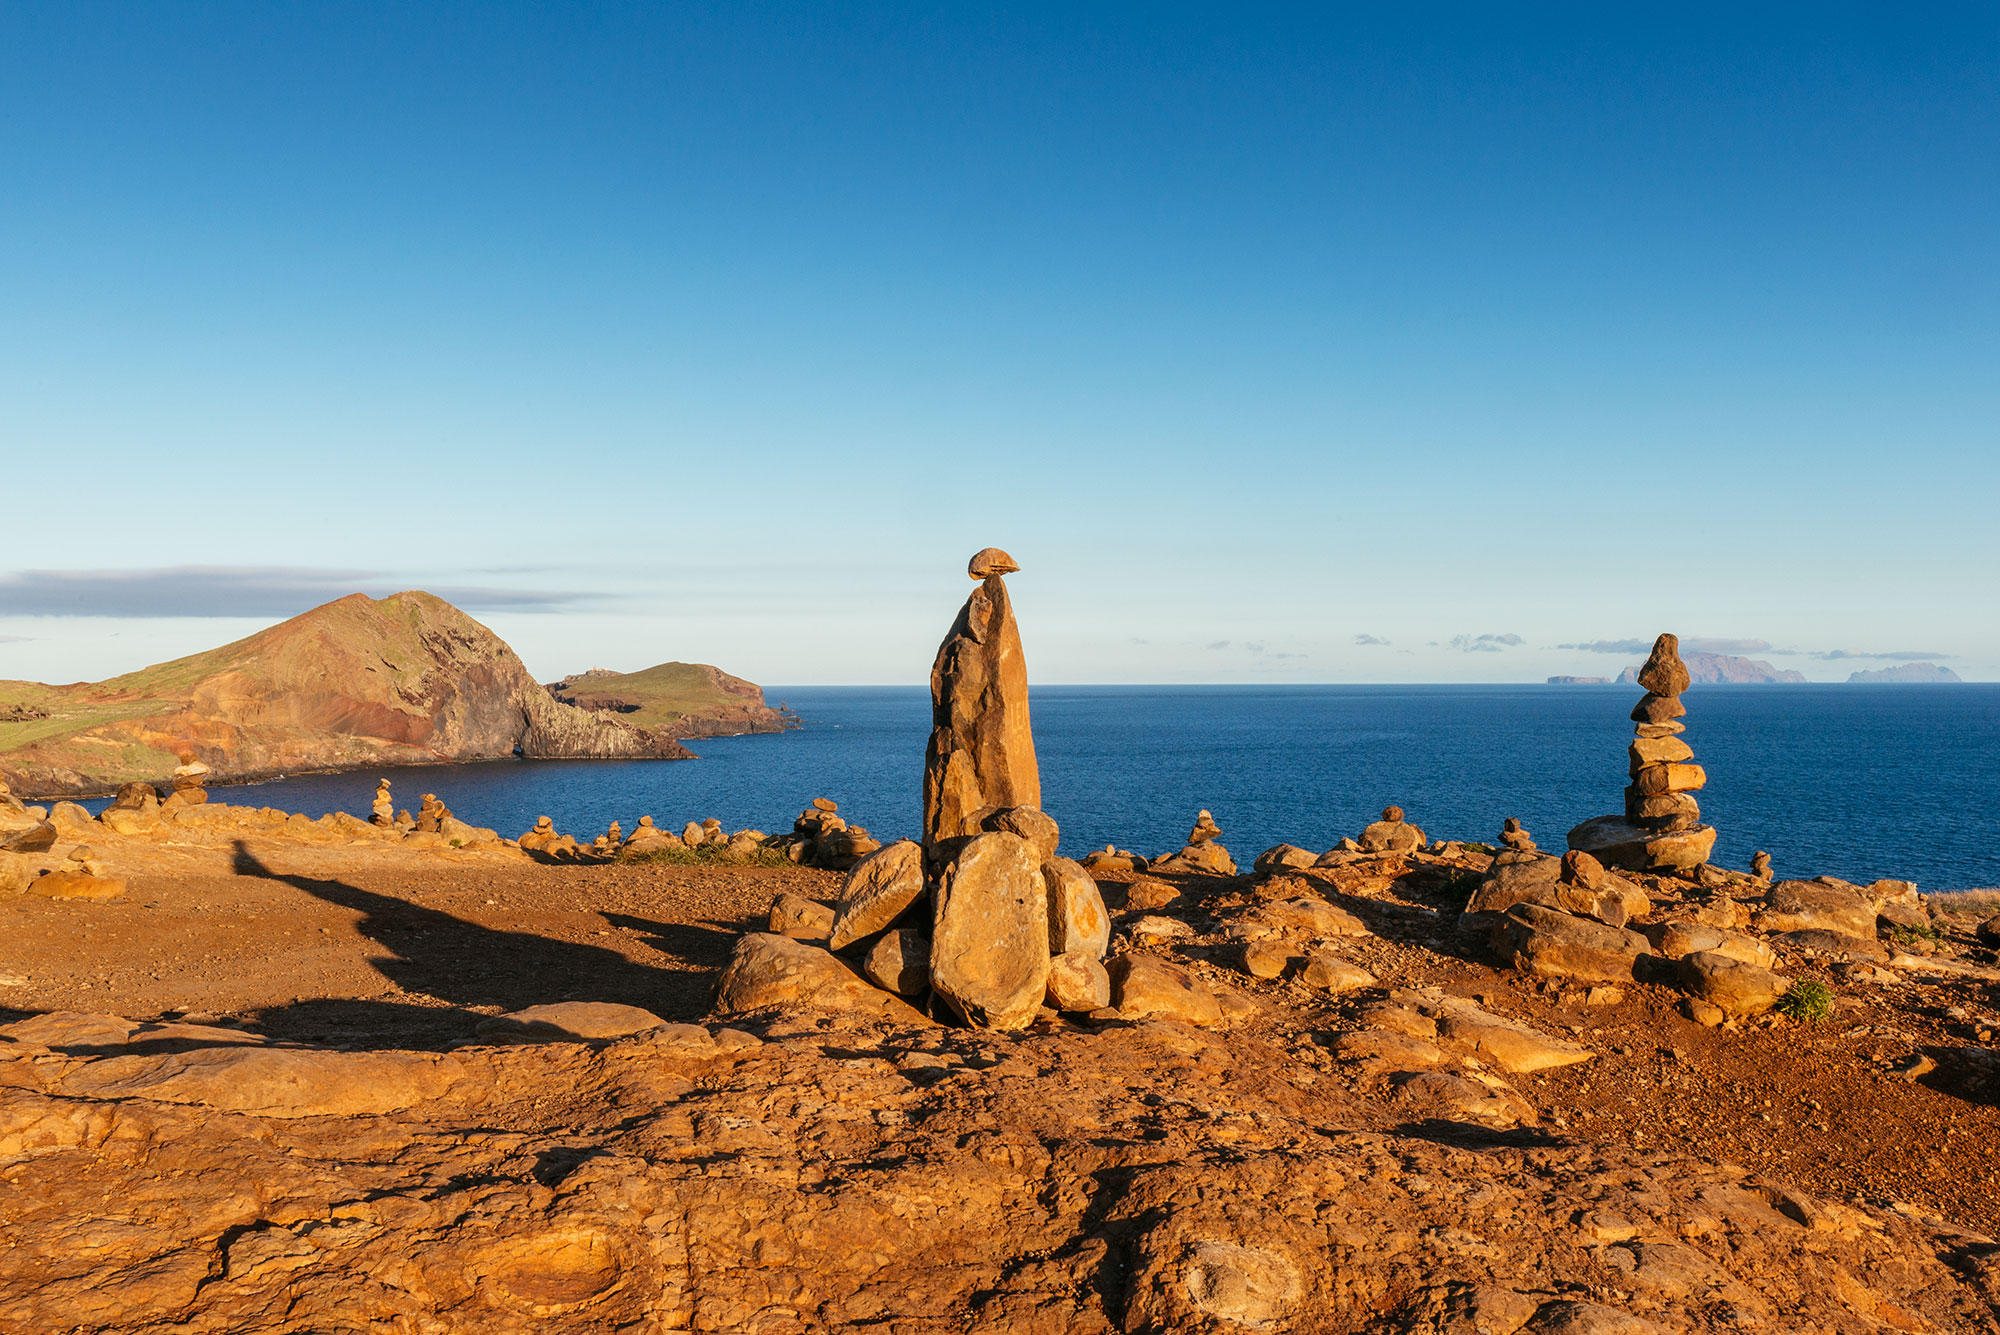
x=1369, y=639
x=1484, y=644
x=233, y=591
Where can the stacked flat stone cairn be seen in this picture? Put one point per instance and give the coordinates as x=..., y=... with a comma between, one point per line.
x=383, y=808
x=1661, y=828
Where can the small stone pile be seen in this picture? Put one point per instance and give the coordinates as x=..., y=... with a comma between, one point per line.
x=384, y=807
x=1392, y=834
x=1661, y=829
x=432, y=813
x=189, y=779
x=820, y=838
x=1203, y=854
x=1516, y=844
x=1113, y=858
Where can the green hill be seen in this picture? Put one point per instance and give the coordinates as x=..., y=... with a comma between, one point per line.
x=679, y=699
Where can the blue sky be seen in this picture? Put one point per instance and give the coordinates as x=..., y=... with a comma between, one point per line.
x=1257, y=334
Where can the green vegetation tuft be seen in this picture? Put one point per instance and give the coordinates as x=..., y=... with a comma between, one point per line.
x=1458, y=886
x=1909, y=936
x=1809, y=1001
x=708, y=855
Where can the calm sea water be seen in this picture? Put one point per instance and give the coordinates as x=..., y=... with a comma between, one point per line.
x=1853, y=781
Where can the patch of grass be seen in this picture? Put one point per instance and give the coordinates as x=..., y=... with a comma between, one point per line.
x=1458, y=886
x=1982, y=902
x=1909, y=936
x=1809, y=1001
x=708, y=855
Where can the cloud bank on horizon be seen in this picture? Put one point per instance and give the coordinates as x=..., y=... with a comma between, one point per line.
x=1325, y=336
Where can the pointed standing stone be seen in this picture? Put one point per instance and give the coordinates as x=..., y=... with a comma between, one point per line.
x=981, y=756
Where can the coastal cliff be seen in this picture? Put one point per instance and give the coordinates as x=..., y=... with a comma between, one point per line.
x=403, y=680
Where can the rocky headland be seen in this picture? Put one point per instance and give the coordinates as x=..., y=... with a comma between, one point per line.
x=358, y=683
x=265, y=1072
x=679, y=700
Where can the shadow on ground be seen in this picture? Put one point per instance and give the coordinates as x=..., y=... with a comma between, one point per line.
x=456, y=969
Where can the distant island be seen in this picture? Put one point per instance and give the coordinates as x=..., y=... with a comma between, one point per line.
x=1905, y=673
x=1723, y=670
x=1579, y=681
x=357, y=683
x=681, y=699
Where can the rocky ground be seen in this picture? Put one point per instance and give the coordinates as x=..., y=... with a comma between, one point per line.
x=289, y=1086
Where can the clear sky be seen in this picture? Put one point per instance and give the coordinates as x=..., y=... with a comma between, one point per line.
x=1313, y=343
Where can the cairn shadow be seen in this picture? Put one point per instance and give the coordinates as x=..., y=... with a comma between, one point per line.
x=705, y=945
x=466, y=966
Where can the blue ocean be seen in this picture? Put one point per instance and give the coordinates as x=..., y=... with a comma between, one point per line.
x=1852, y=781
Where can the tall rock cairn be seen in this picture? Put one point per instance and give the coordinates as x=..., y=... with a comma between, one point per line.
x=981, y=756
x=1661, y=829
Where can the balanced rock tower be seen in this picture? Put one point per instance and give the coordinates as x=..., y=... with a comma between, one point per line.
x=981, y=757
x=1661, y=829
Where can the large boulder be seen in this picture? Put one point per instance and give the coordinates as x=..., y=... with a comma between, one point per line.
x=1617, y=842
x=1325, y=971
x=1143, y=986
x=568, y=1022
x=1607, y=897
x=1078, y=982
x=878, y=890
x=981, y=755
x=769, y=972
x=801, y=918
x=1284, y=857
x=900, y=962
x=1509, y=1044
x=1803, y=906
x=68, y=884
x=1677, y=940
x=38, y=837
x=1552, y=944
x=16, y=872
x=1737, y=987
x=1078, y=920
x=990, y=933
x=1031, y=823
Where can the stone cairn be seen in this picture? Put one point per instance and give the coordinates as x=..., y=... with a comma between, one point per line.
x=981, y=756
x=1391, y=834
x=982, y=913
x=384, y=807
x=189, y=779
x=1203, y=853
x=431, y=814
x=1516, y=844
x=1661, y=829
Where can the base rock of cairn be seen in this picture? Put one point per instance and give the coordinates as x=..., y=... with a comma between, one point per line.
x=1661, y=829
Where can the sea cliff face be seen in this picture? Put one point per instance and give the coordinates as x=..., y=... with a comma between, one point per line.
x=403, y=680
